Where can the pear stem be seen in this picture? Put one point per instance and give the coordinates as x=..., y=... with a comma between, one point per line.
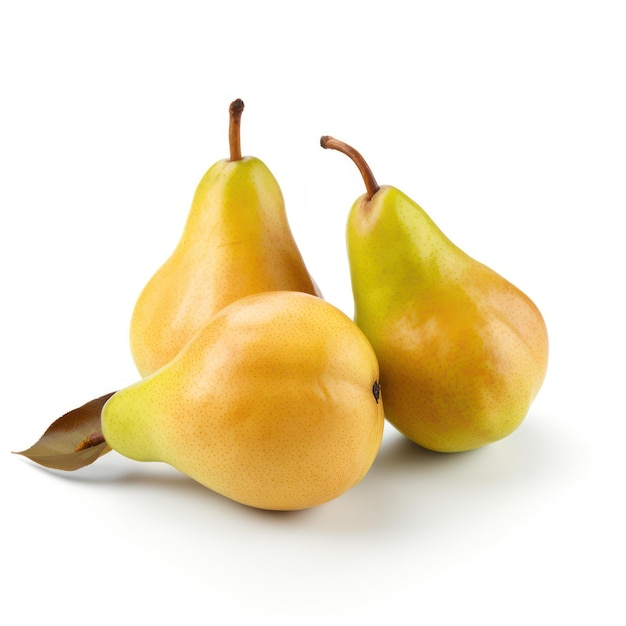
x=368, y=177
x=95, y=439
x=234, y=134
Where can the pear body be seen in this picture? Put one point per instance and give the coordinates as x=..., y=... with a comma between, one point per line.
x=237, y=241
x=274, y=403
x=462, y=352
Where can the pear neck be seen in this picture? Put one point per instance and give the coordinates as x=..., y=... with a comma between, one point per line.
x=394, y=246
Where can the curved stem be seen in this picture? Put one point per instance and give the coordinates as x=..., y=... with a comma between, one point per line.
x=234, y=134
x=368, y=178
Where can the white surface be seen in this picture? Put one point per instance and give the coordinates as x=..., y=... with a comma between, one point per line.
x=506, y=123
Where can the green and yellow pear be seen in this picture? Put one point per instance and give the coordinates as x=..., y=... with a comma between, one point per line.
x=462, y=352
x=275, y=404
x=236, y=241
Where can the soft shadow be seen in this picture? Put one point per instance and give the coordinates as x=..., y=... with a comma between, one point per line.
x=399, y=453
x=113, y=470
x=409, y=487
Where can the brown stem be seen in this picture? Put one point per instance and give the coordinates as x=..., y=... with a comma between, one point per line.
x=95, y=439
x=234, y=134
x=368, y=178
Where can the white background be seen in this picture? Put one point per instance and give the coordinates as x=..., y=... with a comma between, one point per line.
x=505, y=121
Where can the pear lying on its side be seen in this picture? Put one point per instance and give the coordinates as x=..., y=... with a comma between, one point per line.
x=275, y=403
x=237, y=241
x=462, y=351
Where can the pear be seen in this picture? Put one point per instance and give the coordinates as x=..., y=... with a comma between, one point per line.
x=236, y=241
x=462, y=351
x=275, y=404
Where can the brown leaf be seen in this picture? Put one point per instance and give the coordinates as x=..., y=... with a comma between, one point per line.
x=74, y=440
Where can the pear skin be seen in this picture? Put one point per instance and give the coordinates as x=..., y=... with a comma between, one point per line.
x=462, y=352
x=236, y=241
x=275, y=404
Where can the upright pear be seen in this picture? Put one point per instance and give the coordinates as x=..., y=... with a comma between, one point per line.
x=462, y=352
x=236, y=241
x=275, y=403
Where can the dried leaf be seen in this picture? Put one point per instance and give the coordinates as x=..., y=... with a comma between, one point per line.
x=74, y=440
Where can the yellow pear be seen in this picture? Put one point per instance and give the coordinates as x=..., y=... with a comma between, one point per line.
x=275, y=403
x=462, y=351
x=237, y=241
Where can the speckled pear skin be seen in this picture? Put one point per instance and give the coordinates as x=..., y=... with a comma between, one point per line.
x=462, y=351
x=275, y=403
x=237, y=241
